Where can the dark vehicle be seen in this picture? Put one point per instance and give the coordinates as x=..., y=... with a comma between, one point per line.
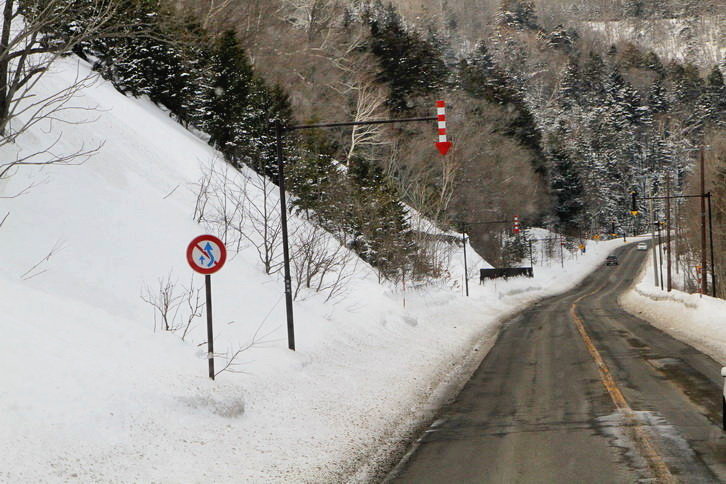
x=612, y=260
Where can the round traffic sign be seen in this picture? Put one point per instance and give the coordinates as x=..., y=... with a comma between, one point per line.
x=206, y=254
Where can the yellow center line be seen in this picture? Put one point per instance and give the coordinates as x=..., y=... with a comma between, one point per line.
x=642, y=440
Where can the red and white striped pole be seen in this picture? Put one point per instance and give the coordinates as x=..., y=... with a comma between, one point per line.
x=442, y=145
x=516, y=224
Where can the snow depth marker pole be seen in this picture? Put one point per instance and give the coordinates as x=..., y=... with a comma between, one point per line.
x=723, y=397
x=442, y=145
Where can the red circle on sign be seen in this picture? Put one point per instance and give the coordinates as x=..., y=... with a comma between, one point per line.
x=206, y=254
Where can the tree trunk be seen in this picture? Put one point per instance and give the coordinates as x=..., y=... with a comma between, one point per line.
x=5, y=65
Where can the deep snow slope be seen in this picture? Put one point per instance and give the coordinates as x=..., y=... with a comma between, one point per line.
x=92, y=390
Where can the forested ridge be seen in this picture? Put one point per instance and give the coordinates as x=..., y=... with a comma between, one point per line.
x=549, y=121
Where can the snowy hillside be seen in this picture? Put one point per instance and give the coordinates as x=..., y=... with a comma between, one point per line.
x=93, y=390
x=701, y=40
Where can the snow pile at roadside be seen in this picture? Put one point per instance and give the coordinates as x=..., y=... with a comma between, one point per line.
x=92, y=390
x=695, y=319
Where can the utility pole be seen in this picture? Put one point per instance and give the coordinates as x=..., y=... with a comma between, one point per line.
x=285, y=244
x=652, y=239
x=710, y=236
x=704, y=282
x=703, y=272
x=660, y=254
x=443, y=146
x=669, y=286
x=677, y=230
x=466, y=271
x=531, y=257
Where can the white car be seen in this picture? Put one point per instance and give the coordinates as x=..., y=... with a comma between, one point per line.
x=642, y=246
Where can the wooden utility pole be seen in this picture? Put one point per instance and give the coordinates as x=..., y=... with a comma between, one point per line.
x=660, y=255
x=669, y=281
x=704, y=273
x=654, y=244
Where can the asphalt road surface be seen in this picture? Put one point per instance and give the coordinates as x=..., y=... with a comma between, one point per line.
x=578, y=390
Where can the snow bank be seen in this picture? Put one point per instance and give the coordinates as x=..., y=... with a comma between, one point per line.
x=698, y=320
x=91, y=389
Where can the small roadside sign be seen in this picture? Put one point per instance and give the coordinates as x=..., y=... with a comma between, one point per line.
x=206, y=254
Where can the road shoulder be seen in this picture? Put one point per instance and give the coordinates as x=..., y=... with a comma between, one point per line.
x=691, y=318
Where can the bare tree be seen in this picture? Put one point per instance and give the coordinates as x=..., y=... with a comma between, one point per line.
x=263, y=229
x=29, y=45
x=220, y=203
x=176, y=306
x=370, y=100
x=319, y=262
x=164, y=300
x=315, y=16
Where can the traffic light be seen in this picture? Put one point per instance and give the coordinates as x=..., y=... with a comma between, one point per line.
x=634, y=203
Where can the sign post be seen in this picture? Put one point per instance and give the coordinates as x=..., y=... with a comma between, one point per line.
x=206, y=254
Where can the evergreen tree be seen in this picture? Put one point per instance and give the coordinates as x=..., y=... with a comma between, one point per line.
x=482, y=78
x=658, y=98
x=571, y=85
x=687, y=84
x=518, y=14
x=593, y=75
x=652, y=62
x=410, y=65
x=711, y=105
x=228, y=97
x=566, y=186
x=382, y=235
x=623, y=102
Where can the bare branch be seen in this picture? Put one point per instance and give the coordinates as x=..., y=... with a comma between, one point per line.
x=29, y=274
x=170, y=193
